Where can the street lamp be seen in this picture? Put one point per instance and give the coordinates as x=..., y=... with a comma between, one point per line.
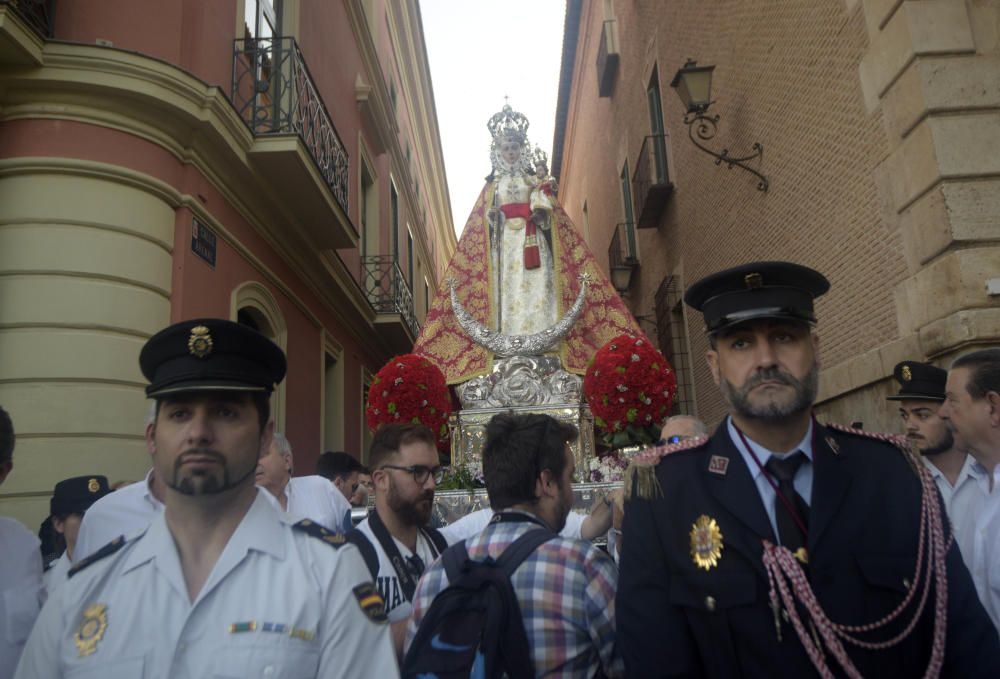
x=693, y=84
x=621, y=277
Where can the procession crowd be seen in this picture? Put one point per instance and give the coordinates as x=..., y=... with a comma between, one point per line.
x=773, y=546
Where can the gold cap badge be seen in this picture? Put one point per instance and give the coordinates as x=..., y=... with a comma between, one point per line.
x=93, y=486
x=91, y=629
x=753, y=281
x=706, y=542
x=200, y=342
x=906, y=373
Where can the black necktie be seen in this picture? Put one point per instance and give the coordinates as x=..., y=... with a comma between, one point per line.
x=789, y=533
x=415, y=565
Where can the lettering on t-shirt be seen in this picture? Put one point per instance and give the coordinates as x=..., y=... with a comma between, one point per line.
x=389, y=589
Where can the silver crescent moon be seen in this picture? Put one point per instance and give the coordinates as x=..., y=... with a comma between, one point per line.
x=518, y=345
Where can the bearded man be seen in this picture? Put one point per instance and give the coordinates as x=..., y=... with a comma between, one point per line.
x=943, y=451
x=780, y=547
x=395, y=539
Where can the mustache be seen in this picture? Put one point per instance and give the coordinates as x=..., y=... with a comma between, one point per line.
x=199, y=452
x=768, y=375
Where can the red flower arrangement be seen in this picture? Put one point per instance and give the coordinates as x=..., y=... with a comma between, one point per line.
x=410, y=389
x=630, y=388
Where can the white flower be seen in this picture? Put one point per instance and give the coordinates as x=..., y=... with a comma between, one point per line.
x=594, y=464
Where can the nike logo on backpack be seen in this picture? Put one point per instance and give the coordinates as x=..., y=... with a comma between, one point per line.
x=438, y=644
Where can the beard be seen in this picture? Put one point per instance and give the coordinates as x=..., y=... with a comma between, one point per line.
x=772, y=410
x=207, y=481
x=415, y=512
x=564, y=508
x=942, y=445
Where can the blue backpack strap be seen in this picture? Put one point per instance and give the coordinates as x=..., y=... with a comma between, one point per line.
x=522, y=548
x=368, y=553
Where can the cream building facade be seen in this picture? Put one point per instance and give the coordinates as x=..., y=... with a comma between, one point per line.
x=272, y=162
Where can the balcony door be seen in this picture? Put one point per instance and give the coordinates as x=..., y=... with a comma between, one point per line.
x=656, y=128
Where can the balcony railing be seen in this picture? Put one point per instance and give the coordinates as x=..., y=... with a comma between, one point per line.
x=275, y=94
x=386, y=289
x=622, y=251
x=651, y=181
x=607, y=59
x=39, y=14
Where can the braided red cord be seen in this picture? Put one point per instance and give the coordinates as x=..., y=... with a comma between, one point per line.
x=783, y=569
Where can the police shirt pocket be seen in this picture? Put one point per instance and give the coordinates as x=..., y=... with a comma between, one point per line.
x=20, y=608
x=120, y=668
x=887, y=579
x=294, y=659
x=713, y=592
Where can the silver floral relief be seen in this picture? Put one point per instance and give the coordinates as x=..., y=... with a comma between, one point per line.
x=522, y=381
x=518, y=345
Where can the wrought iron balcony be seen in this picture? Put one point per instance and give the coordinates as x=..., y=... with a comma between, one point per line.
x=622, y=256
x=38, y=14
x=651, y=181
x=275, y=94
x=387, y=291
x=607, y=59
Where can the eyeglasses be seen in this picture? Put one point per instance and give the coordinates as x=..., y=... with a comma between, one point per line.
x=420, y=472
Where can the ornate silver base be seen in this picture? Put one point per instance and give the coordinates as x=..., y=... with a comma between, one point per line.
x=522, y=381
x=468, y=431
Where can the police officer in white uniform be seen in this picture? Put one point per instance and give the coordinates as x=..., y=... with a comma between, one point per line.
x=221, y=584
x=71, y=499
x=126, y=512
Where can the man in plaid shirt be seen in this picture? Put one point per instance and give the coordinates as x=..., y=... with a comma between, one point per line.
x=566, y=588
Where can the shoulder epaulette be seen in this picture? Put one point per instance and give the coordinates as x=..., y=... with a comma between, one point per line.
x=641, y=474
x=106, y=550
x=897, y=440
x=313, y=529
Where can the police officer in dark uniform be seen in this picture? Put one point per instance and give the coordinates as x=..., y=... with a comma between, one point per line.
x=780, y=547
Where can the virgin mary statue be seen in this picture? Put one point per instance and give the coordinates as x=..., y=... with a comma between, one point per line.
x=519, y=267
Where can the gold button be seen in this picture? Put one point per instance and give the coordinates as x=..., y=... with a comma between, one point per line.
x=710, y=603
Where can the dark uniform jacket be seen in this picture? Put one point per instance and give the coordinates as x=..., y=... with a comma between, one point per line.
x=676, y=619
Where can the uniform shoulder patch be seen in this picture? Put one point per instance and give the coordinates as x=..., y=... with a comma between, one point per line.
x=106, y=550
x=371, y=602
x=313, y=529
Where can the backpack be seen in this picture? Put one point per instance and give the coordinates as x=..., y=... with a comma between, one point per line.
x=474, y=627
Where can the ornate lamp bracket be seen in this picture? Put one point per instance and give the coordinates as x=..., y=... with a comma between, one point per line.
x=702, y=127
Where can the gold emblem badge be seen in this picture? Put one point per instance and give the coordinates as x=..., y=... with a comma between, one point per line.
x=200, y=342
x=906, y=373
x=91, y=629
x=706, y=543
x=93, y=486
x=753, y=281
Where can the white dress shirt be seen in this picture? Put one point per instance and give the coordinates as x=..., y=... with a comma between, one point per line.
x=316, y=498
x=278, y=603
x=20, y=590
x=803, y=480
x=56, y=574
x=985, y=566
x=963, y=501
x=127, y=511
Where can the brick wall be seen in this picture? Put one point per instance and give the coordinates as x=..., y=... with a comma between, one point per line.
x=786, y=76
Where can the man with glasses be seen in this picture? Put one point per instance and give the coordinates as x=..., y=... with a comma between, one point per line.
x=395, y=539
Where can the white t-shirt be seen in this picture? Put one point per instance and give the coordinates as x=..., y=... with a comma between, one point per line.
x=20, y=590
x=387, y=580
x=474, y=523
